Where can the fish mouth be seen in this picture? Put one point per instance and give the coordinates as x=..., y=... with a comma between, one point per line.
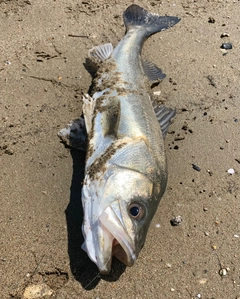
x=115, y=241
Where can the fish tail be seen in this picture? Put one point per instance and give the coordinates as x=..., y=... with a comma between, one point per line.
x=136, y=17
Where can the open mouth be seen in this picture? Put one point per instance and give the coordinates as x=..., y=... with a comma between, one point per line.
x=119, y=252
x=116, y=242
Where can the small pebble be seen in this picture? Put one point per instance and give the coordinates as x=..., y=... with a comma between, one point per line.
x=226, y=46
x=169, y=265
x=210, y=172
x=172, y=289
x=157, y=93
x=206, y=233
x=223, y=272
x=211, y=20
x=175, y=221
x=214, y=247
x=199, y=295
x=7, y=151
x=37, y=291
x=195, y=167
x=236, y=236
x=158, y=225
x=231, y=171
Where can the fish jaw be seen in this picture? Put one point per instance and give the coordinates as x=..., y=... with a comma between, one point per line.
x=123, y=247
x=108, y=237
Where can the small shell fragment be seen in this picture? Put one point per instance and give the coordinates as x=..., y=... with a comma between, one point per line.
x=203, y=280
x=231, y=171
x=225, y=34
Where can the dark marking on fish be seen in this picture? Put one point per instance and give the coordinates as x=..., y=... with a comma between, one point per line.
x=111, y=117
x=99, y=164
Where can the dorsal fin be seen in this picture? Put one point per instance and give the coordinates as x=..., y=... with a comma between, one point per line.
x=100, y=53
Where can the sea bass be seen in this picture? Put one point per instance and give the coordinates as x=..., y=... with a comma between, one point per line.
x=125, y=171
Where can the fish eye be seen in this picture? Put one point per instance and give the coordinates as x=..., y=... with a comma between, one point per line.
x=136, y=211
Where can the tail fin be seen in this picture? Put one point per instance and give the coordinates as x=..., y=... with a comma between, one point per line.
x=136, y=16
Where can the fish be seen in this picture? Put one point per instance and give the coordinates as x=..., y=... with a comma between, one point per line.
x=122, y=131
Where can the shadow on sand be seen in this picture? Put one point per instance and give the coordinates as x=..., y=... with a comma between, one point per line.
x=82, y=268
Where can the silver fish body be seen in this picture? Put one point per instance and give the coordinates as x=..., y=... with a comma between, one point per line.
x=125, y=172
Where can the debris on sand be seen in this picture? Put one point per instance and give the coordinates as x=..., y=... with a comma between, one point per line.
x=37, y=291
x=175, y=221
x=226, y=46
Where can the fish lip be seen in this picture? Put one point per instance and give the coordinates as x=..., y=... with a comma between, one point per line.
x=114, y=233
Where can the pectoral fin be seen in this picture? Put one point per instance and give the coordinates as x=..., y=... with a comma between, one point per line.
x=75, y=134
x=88, y=110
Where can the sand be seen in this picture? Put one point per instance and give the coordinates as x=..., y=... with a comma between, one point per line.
x=43, y=74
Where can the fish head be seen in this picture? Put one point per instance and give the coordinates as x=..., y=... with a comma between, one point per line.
x=117, y=212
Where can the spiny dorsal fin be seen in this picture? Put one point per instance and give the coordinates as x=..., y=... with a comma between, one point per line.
x=100, y=53
x=164, y=116
x=153, y=72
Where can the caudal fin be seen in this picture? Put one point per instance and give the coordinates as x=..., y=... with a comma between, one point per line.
x=137, y=17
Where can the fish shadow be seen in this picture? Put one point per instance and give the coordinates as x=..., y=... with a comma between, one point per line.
x=82, y=268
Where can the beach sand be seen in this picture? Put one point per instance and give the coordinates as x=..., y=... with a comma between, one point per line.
x=43, y=74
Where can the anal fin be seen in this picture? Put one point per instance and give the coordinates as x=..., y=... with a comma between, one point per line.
x=164, y=116
x=153, y=72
